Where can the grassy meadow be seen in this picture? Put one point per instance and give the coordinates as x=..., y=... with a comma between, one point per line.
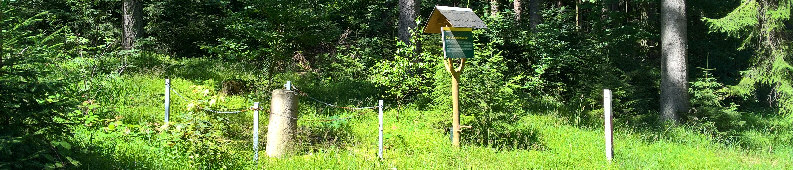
x=134, y=137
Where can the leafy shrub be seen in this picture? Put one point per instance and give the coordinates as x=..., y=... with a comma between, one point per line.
x=407, y=76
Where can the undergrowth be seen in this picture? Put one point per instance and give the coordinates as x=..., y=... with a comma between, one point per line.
x=131, y=133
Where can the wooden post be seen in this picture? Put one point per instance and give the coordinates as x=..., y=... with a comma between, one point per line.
x=167, y=99
x=455, y=72
x=456, y=108
x=283, y=122
x=255, y=131
x=607, y=120
x=380, y=140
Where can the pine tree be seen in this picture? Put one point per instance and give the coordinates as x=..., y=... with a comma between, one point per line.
x=761, y=25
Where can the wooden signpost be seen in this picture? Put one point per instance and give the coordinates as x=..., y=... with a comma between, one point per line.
x=455, y=26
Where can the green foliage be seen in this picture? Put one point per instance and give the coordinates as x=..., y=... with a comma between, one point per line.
x=406, y=76
x=495, y=113
x=179, y=28
x=710, y=112
x=37, y=100
x=761, y=25
x=739, y=22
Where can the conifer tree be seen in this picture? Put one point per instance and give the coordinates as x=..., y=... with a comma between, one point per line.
x=762, y=26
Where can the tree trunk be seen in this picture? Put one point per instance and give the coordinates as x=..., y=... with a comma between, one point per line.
x=493, y=7
x=768, y=33
x=518, y=9
x=534, y=13
x=674, y=84
x=2, y=36
x=627, y=12
x=577, y=14
x=133, y=22
x=609, y=6
x=408, y=11
x=2, y=48
x=604, y=11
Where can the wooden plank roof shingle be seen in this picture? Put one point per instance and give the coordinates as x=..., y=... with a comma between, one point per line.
x=444, y=16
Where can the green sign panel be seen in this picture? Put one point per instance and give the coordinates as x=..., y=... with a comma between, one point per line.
x=457, y=42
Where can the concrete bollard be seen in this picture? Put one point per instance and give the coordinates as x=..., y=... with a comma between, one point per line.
x=283, y=123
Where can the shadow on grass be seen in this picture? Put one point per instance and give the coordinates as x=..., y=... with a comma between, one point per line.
x=196, y=70
x=504, y=139
x=325, y=135
x=94, y=160
x=95, y=157
x=342, y=92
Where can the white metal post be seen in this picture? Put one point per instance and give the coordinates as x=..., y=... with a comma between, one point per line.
x=607, y=120
x=255, y=131
x=167, y=99
x=380, y=141
x=288, y=85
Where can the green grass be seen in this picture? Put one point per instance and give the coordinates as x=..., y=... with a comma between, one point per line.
x=414, y=138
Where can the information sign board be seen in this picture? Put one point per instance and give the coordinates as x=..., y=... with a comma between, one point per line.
x=457, y=42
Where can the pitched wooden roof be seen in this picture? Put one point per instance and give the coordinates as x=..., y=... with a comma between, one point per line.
x=444, y=16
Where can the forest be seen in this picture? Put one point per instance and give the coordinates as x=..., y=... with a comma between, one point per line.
x=171, y=84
